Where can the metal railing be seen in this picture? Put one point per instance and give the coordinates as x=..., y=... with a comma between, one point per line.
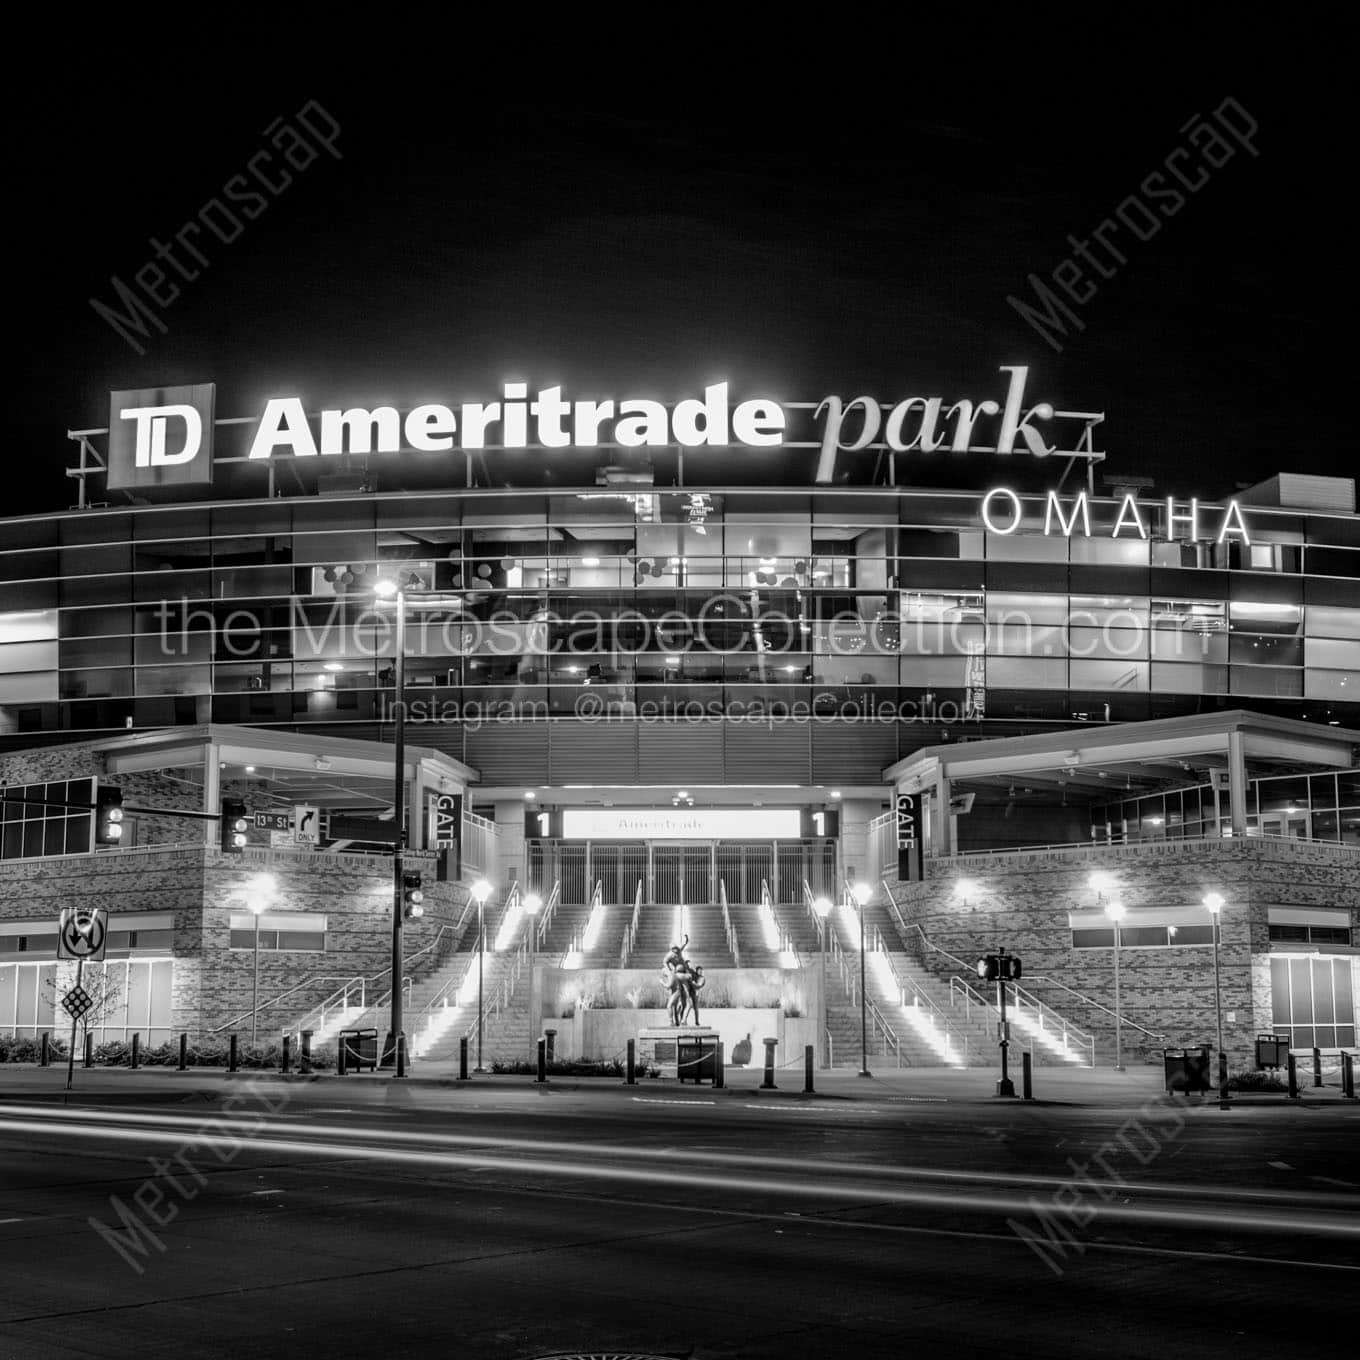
x=1099, y=1006
x=549, y=911
x=883, y=844
x=920, y=997
x=478, y=849
x=728, y=928
x=314, y=980
x=784, y=940
x=574, y=944
x=630, y=934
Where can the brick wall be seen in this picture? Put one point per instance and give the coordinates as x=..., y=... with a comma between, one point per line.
x=202, y=888
x=1022, y=899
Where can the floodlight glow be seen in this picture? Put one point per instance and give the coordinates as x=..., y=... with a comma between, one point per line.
x=481, y=890
x=1101, y=883
x=822, y=906
x=1115, y=911
x=861, y=892
x=385, y=587
x=1214, y=902
x=532, y=903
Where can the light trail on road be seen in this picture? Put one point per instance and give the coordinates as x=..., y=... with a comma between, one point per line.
x=838, y=1181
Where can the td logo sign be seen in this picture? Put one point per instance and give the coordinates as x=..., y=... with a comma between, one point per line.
x=161, y=436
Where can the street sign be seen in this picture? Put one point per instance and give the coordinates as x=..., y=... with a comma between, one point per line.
x=76, y=1002
x=306, y=824
x=82, y=933
x=445, y=816
x=273, y=821
x=420, y=856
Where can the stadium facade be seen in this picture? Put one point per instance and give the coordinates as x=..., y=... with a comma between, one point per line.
x=683, y=660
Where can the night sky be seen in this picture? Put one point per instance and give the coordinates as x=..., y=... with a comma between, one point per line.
x=616, y=202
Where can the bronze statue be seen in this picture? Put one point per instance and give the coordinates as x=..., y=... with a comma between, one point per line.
x=683, y=979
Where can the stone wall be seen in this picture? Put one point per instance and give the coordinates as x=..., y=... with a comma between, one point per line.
x=1021, y=901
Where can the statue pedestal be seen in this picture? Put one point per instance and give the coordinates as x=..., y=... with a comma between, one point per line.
x=666, y=1047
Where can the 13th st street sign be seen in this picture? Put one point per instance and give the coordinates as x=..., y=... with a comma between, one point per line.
x=83, y=933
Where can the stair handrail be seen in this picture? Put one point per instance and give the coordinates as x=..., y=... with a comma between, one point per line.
x=545, y=917
x=894, y=910
x=728, y=928
x=631, y=930
x=577, y=936
x=920, y=997
x=1100, y=1006
x=960, y=986
x=786, y=945
x=346, y=982
x=439, y=1001
x=1073, y=1036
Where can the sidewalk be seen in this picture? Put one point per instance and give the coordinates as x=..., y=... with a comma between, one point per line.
x=1100, y=1088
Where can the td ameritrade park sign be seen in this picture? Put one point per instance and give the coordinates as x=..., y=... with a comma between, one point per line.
x=164, y=436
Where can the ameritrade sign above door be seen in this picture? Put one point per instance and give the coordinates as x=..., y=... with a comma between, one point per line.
x=689, y=824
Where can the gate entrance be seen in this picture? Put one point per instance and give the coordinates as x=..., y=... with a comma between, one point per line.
x=685, y=871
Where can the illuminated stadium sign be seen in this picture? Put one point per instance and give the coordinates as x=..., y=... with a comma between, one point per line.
x=162, y=436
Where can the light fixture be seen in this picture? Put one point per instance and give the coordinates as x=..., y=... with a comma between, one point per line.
x=332, y=666
x=321, y=763
x=861, y=892
x=822, y=906
x=1115, y=911
x=530, y=794
x=1214, y=902
x=250, y=769
x=590, y=561
x=532, y=902
x=835, y=793
x=1101, y=883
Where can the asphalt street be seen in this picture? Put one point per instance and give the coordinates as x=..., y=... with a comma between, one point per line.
x=193, y=1214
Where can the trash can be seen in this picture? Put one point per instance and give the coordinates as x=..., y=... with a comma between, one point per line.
x=360, y=1048
x=1272, y=1050
x=1187, y=1070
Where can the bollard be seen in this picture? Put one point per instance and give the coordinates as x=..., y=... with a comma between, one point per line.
x=1223, y=1079
x=542, y=1060
x=1027, y=1076
x=630, y=1064
x=286, y=1054
x=45, y=1050
x=136, y=1059
x=305, y=1058
x=401, y=1054
x=1293, y=1078
x=768, y=1083
x=340, y=1055
x=550, y=1035
x=231, y=1054
x=183, y=1052
x=807, y=1070
x=89, y=1049
x=719, y=1072
x=1317, y=1067
x=1348, y=1076
x=462, y=1058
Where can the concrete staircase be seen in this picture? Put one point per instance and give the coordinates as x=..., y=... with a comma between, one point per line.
x=704, y=924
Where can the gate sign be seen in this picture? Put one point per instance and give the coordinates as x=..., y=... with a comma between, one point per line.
x=446, y=813
x=82, y=933
x=907, y=808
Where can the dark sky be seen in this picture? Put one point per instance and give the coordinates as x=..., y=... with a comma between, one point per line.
x=619, y=202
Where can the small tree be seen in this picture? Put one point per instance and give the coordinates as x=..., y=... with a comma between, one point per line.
x=103, y=986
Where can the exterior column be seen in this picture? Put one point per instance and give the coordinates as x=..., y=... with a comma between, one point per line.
x=212, y=790
x=856, y=852
x=1237, y=784
x=510, y=848
x=941, y=823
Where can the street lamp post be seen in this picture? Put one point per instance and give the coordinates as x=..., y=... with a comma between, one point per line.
x=396, y=591
x=1213, y=903
x=822, y=906
x=481, y=890
x=1115, y=911
x=258, y=904
x=862, y=892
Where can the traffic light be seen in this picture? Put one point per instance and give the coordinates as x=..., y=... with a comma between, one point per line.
x=232, y=826
x=108, y=816
x=999, y=967
x=412, y=899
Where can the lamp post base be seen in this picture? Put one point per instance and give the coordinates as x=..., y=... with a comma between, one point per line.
x=1005, y=1087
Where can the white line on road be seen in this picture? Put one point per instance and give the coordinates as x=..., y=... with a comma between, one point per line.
x=1280, y=1166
